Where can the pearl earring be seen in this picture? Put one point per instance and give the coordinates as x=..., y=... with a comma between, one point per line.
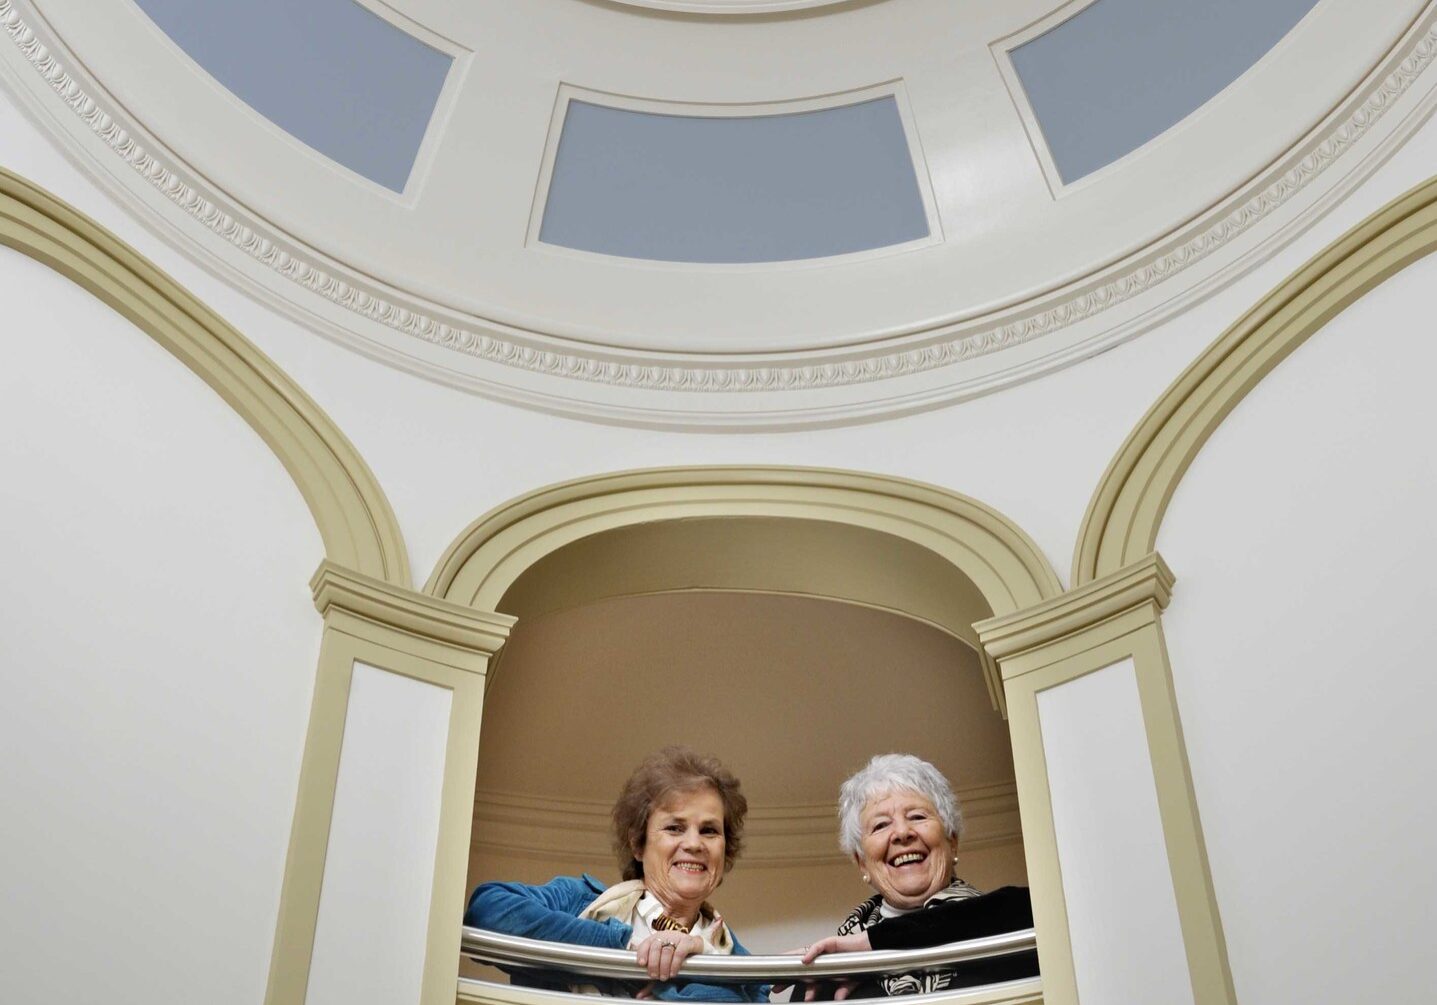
x=865, y=877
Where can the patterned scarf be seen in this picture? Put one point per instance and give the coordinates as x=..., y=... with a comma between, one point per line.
x=870, y=913
x=626, y=902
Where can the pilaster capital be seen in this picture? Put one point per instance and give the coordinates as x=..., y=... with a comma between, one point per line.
x=1137, y=591
x=342, y=594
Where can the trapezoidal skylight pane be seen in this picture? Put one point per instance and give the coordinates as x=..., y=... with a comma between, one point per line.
x=1119, y=72
x=730, y=189
x=329, y=72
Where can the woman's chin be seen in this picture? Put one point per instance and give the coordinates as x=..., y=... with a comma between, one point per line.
x=911, y=894
x=688, y=890
x=696, y=895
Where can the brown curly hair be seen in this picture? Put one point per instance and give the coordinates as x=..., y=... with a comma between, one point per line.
x=659, y=776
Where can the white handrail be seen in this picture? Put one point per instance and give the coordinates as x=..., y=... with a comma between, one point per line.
x=587, y=961
x=1028, y=991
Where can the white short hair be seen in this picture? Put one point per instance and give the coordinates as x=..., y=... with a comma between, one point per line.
x=888, y=773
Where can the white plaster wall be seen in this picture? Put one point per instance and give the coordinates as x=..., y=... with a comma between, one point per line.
x=444, y=457
x=157, y=655
x=1301, y=639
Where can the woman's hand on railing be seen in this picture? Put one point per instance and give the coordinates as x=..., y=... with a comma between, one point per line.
x=663, y=953
x=855, y=943
x=839, y=990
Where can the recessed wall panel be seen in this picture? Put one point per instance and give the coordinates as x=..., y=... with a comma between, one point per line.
x=369, y=938
x=727, y=189
x=1119, y=72
x=1117, y=882
x=329, y=72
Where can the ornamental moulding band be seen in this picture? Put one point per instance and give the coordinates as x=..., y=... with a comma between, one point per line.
x=920, y=349
x=744, y=8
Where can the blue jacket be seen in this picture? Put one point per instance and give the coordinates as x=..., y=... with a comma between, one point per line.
x=551, y=912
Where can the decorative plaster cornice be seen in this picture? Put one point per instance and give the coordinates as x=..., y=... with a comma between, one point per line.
x=415, y=613
x=1146, y=581
x=528, y=826
x=923, y=350
x=732, y=8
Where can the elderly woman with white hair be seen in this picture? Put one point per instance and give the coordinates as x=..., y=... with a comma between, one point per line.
x=900, y=822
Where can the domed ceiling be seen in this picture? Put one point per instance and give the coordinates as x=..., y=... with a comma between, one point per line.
x=726, y=213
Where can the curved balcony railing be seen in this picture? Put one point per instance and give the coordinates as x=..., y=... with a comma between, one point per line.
x=583, y=961
x=1028, y=991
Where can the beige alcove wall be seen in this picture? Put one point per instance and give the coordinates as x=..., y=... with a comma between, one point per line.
x=792, y=692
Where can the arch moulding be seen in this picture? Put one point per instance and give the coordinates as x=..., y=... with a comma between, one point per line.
x=355, y=522
x=1123, y=518
x=987, y=548
x=1121, y=585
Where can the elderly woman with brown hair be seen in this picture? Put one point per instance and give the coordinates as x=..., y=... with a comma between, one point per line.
x=678, y=827
x=900, y=822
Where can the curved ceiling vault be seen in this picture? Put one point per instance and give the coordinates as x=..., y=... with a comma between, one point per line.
x=727, y=213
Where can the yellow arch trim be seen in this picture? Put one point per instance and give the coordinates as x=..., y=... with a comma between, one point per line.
x=355, y=521
x=486, y=559
x=1000, y=560
x=1122, y=521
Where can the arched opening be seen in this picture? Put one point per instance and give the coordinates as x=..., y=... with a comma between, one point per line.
x=793, y=692
x=792, y=622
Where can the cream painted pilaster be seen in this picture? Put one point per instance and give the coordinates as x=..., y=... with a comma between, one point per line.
x=427, y=641
x=1107, y=622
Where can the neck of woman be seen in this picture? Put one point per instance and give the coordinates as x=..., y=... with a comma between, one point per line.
x=684, y=914
x=890, y=911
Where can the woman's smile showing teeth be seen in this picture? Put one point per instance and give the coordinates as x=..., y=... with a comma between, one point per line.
x=683, y=852
x=905, y=853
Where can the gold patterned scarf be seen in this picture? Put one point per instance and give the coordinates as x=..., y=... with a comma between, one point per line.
x=625, y=902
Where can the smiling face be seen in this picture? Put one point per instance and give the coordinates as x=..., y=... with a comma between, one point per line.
x=683, y=851
x=903, y=849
